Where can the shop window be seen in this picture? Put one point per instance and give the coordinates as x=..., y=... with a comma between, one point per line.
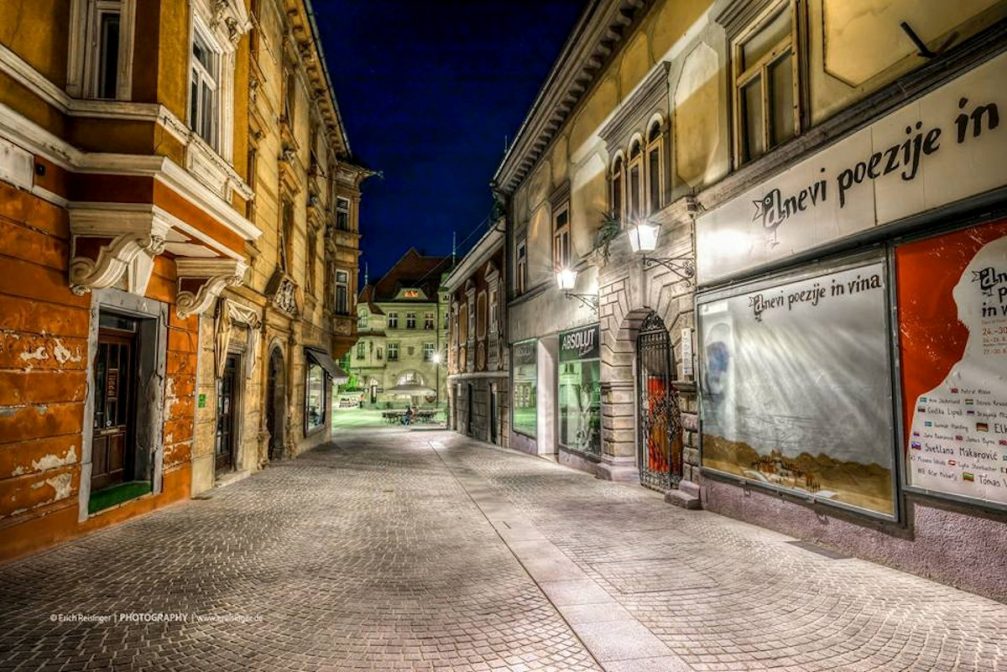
x=428, y=352
x=766, y=83
x=314, y=397
x=204, y=83
x=342, y=305
x=343, y=214
x=521, y=270
x=775, y=381
x=524, y=416
x=579, y=391
x=410, y=320
x=655, y=167
x=393, y=352
x=428, y=321
x=393, y=320
x=618, y=178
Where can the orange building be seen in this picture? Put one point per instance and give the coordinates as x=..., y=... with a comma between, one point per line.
x=129, y=201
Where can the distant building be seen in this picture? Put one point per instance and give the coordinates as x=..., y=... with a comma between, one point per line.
x=478, y=372
x=402, y=327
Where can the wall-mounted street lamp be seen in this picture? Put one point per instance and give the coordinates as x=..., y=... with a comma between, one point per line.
x=566, y=278
x=643, y=237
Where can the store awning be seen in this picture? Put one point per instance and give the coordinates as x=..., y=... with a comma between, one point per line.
x=323, y=360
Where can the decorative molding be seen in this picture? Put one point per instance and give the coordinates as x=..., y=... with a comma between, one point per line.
x=282, y=293
x=638, y=111
x=228, y=313
x=81, y=71
x=107, y=244
x=200, y=282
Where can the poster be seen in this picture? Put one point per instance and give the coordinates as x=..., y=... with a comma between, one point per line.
x=525, y=362
x=952, y=297
x=796, y=386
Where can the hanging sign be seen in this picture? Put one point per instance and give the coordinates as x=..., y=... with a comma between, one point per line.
x=943, y=147
x=579, y=344
x=952, y=293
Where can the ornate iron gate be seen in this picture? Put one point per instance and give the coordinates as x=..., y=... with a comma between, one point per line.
x=660, y=422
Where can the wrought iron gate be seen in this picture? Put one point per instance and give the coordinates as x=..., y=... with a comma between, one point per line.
x=660, y=422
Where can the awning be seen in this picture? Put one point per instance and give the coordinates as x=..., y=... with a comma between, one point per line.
x=323, y=360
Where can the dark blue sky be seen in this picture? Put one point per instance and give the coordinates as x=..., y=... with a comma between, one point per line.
x=428, y=90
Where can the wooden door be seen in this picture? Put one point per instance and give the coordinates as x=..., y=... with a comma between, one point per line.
x=226, y=416
x=114, y=403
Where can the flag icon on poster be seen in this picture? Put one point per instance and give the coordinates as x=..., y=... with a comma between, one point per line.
x=966, y=476
x=959, y=437
x=969, y=411
x=1003, y=442
x=921, y=409
x=928, y=424
x=923, y=400
x=969, y=402
x=982, y=427
x=954, y=390
x=916, y=433
x=915, y=445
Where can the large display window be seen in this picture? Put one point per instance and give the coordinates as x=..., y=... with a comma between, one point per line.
x=952, y=297
x=525, y=408
x=314, y=397
x=796, y=386
x=579, y=390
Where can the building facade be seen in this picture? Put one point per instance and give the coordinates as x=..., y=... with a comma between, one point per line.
x=141, y=300
x=477, y=352
x=402, y=332
x=744, y=197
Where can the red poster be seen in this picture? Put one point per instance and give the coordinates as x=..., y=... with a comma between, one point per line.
x=952, y=302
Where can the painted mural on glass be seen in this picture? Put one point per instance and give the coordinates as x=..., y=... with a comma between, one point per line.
x=796, y=387
x=580, y=390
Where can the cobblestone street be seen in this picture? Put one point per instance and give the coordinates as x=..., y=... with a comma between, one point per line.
x=422, y=551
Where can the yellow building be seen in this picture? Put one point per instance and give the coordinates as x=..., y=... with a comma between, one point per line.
x=687, y=200
x=143, y=179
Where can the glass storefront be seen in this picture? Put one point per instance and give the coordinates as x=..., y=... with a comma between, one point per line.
x=314, y=395
x=579, y=390
x=525, y=414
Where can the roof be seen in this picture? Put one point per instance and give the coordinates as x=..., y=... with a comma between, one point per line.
x=480, y=253
x=412, y=270
x=366, y=296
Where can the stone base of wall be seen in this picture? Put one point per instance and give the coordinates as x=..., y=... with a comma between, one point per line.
x=948, y=542
x=525, y=444
x=577, y=461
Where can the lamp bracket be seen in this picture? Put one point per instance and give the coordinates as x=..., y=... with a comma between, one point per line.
x=589, y=300
x=683, y=267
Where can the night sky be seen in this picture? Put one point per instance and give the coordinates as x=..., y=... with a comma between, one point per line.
x=428, y=91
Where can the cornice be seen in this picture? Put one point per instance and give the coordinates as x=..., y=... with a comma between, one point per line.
x=639, y=106
x=589, y=49
x=481, y=252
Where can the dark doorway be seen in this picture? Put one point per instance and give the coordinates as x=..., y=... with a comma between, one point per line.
x=374, y=393
x=227, y=397
x=493, y=413
x=275, y=404
x=660, y=422
x=114, y=402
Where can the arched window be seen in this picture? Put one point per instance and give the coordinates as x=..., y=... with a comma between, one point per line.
x=655, y=166
x=617, y=182
x=634, y=191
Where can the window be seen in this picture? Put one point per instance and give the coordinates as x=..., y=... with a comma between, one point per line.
x=343, y=214
x=203, y=89
x=655, y=167
x=635, y=186
x=290, y=95
x=766, y=110
x=393, y=320
x=428, y=321
x=107, y=57
x=617, y=182
x=310, y=264
x=100, y=46
x=521, y=272
x=561, y=238
x=524, y=417
x=314, y=397
x=481, y=316
x=410, y=320
x=393, y=352
x=362, y=321
x=286, y=236
x=428, y=352
x=342, y=293
x=361, y=350
x=379, y=354
x=579, y=390
x=493, y=311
